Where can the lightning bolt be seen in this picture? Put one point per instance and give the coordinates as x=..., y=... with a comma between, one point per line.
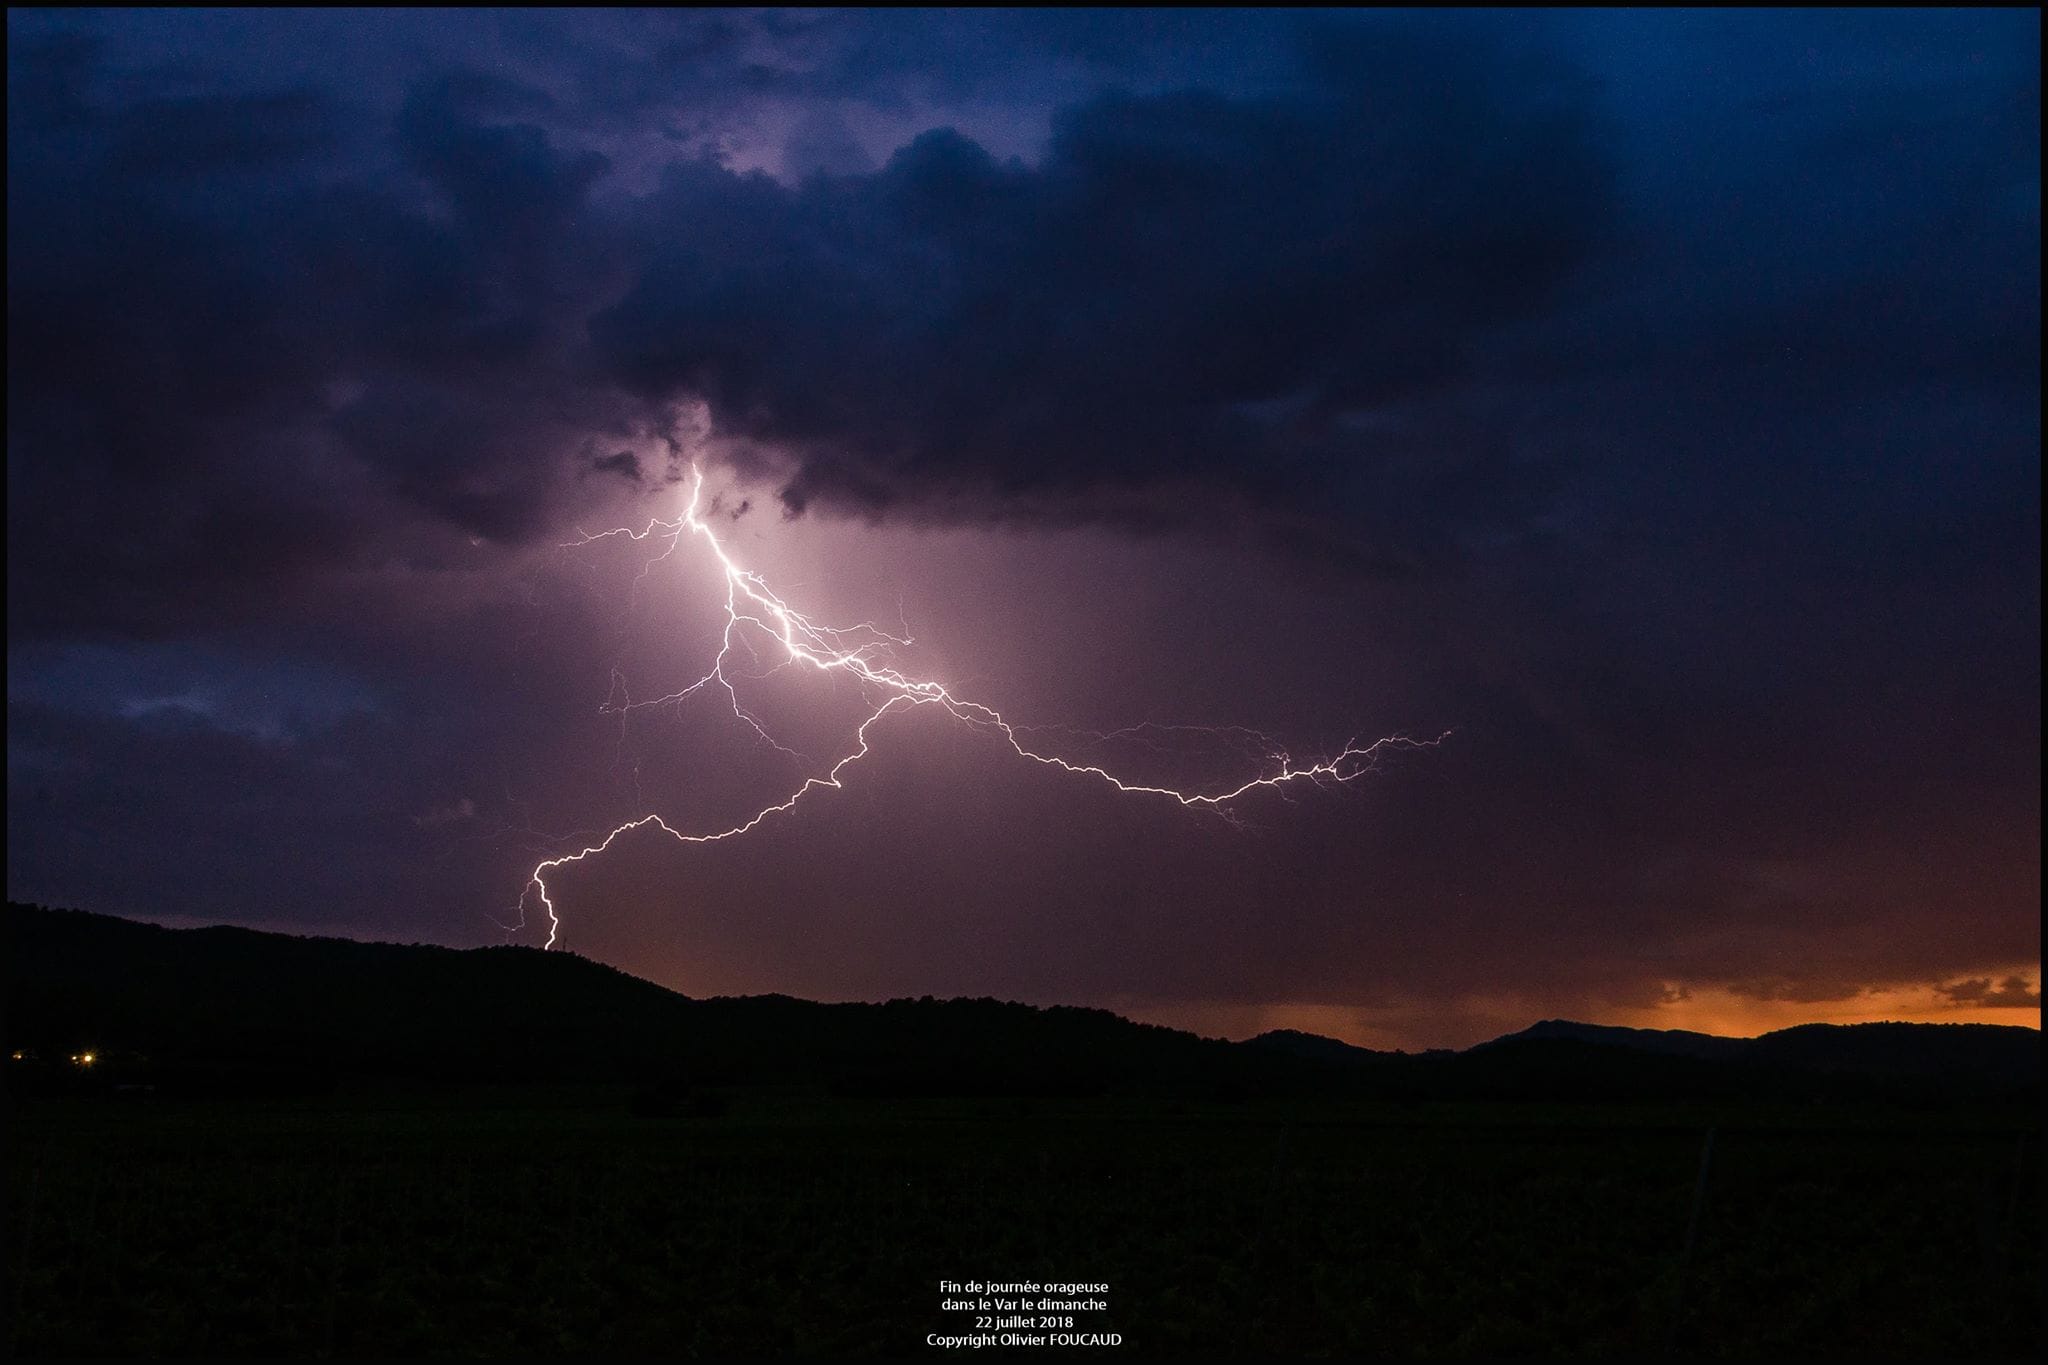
x=863, y=652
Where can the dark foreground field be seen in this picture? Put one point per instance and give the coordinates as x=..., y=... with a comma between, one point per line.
x=558, y=1220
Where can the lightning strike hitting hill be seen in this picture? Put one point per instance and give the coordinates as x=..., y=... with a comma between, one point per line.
x=862, y=652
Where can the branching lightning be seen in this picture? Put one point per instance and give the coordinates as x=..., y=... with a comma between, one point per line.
x=753, y=611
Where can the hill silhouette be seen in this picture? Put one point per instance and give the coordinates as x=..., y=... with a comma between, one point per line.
x=1668, y=1042
x=1987, y=1053
x=226, y=1001
x=239, y=1010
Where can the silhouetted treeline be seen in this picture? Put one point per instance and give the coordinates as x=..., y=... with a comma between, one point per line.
x=223, y=1010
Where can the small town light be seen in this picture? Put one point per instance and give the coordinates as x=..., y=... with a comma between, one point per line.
x=83, y=1059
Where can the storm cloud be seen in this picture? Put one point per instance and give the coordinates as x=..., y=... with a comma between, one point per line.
x=1653, y=401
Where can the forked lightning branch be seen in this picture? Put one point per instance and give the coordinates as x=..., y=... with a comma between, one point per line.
x=865, y=653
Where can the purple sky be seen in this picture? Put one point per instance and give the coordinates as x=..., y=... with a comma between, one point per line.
x=1649, y=400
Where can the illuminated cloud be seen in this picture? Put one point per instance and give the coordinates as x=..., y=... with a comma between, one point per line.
x=1654, y=400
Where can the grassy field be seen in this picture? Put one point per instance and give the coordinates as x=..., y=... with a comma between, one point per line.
x=560, y=1222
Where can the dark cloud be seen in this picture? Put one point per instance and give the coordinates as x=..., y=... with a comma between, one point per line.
x=1189, y=291
x=2014, y=992
x=1308, y=304
x=235, y=317
x=824, y=145
x=247, y=134
x=1808, y=992
x=624, y=463
x=1654, y=401
x=293, y=368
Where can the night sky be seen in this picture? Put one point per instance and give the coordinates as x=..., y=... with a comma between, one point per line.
x=1647, y=400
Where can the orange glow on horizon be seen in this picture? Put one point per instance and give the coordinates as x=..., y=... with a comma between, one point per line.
x=1420, y=1024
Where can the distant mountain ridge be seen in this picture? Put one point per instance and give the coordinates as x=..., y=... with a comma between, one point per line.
x=1670, y=1042
x=1978, y=1050
x=240, y=1008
